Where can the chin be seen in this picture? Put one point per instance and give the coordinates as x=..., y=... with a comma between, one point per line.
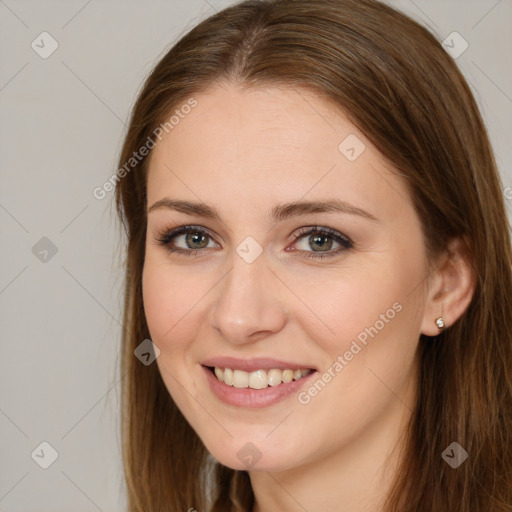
x=242, y=454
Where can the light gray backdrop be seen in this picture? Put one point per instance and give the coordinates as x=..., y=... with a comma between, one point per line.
x=63, y=116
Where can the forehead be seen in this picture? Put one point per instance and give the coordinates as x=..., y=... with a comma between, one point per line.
x=247, y=147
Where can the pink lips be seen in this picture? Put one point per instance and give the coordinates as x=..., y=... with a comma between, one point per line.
x=253, y=398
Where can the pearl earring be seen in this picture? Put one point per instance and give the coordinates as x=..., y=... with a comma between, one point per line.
x=440, y=323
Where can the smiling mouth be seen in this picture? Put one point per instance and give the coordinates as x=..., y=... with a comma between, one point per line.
x=259, y=379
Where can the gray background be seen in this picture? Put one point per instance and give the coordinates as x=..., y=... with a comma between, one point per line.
x=63, y=120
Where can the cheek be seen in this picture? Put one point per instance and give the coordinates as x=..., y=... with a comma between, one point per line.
x=360, y=306
x=169, y=314
x=156, y=291
x=169, y=296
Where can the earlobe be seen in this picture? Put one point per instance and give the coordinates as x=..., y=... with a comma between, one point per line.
x=452, y=288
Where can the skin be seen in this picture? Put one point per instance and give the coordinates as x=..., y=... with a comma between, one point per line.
x=243, y=151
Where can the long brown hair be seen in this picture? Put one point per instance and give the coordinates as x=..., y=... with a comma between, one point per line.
x=395, y=82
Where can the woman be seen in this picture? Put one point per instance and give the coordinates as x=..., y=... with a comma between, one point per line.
x=318, y=250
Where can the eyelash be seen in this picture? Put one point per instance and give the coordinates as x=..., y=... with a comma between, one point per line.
x=165, y=237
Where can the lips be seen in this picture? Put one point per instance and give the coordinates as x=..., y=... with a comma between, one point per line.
x=257, y=382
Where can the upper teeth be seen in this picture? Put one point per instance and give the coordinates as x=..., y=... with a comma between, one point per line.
x=259, y=379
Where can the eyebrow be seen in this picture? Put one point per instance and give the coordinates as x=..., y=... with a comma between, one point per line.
x=279, y=213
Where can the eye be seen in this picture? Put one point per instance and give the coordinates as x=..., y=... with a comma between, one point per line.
x=321, y=240
x=194, y=238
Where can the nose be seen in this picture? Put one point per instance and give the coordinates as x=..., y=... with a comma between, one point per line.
x=248, y=307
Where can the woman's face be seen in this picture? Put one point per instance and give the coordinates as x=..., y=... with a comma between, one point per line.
x=257, y=288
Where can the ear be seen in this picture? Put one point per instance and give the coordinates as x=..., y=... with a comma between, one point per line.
x=452, y=285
